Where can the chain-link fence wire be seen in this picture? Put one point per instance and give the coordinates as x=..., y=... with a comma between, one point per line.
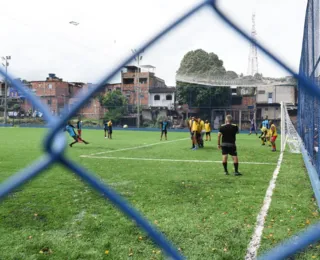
x=55, y=142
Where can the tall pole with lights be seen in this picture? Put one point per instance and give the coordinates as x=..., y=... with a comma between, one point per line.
x=138, y=57
x=5, y=64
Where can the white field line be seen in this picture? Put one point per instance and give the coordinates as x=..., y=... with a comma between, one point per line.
x=136, y=147
x=256, y=237
x=165, y=160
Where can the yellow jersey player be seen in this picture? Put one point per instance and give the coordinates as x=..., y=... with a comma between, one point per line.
x=273, y=136
x=263, y=136
x=201, y=132
x=207, y=128
x=190, y=129
x=194, y=132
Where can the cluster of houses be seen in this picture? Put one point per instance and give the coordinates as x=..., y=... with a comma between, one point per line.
x=142, y=87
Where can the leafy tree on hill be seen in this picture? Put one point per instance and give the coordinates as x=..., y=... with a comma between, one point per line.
x=200, y=64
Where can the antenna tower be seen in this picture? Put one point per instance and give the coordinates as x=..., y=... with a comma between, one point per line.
x=253, y=54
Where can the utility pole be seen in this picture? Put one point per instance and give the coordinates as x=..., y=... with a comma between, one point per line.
x=138, y=57
x=6, y=64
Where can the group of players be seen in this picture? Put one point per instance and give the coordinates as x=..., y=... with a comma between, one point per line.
x=198, y=128
x=77, y=136
x=269, y=133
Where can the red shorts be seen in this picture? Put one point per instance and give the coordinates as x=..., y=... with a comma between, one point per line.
x=273, y=139
x=79, y=132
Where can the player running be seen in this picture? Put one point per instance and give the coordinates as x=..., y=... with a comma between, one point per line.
x=164, y=125
x=228, y=146
x=70, y=129
x=273, y=136
x=207, y=127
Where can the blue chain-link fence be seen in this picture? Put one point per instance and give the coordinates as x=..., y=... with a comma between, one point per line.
x=309, y=95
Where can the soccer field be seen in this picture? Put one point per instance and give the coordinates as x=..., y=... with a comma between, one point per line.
x=206, y=214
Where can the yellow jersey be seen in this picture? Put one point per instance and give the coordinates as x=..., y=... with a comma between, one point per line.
x=109, y=123
x=194, y=126
x=207, y=127
x=201, y=126
x=273, y=130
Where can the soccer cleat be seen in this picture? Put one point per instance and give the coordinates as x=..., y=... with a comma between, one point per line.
x=237, y=174
x=194, y=148
x=70, y=145
x=226, y=173
x=273, y=150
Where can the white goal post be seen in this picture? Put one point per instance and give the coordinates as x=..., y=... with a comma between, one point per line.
x=289, y=135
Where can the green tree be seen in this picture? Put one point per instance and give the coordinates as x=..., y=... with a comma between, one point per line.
x=200, y=64
x=116, y=103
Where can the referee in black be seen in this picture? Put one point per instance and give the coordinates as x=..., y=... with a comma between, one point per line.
x=228, y=146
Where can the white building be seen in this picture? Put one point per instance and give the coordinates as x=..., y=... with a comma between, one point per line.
x=162, y=97
x=269, y=97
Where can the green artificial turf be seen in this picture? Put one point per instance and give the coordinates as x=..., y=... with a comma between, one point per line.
x=206, y=214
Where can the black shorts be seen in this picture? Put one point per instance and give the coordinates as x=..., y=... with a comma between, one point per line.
x=208, y=133
x=110, y=131
x=231, y=150
x=194, y=133
x=164, y=131
x=198, y=135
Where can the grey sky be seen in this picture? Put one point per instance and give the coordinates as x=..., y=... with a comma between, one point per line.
x=38, y=36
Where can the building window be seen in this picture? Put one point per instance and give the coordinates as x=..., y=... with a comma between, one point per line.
x=50, y=86
x=143, y=80
x=119, y=89
x=269, y=95
x=156, y=97
x=128, y=81
x=49, y=102
x=261, y=92
x=168, y=97
x=266, y=109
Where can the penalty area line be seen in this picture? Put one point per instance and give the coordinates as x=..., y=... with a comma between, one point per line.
x=164, y=160
x=254, y=244
x=136, y=147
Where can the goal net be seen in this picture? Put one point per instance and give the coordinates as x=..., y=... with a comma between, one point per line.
x=289, y=135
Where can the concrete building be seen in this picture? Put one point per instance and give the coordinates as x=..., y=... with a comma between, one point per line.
x=268, y=99
x=55, y=93
x=162, y=97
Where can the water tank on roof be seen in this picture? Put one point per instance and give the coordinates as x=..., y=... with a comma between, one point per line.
x=52, y=75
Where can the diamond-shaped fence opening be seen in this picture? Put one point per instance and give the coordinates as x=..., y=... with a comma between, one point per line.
x=55, y=141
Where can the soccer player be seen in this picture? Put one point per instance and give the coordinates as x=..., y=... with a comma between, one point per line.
x=190, y=122
x=228, y=146
x=105, y=128
x=263, y=136
x=273, y=136
x=164, y=125
x=70, y=129
x=110, y=129
x=79, y=126
x=252, y=127
x=200, y=132
x=207, y=127
x=194, y=130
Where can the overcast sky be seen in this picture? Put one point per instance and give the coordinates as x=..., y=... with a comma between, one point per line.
x=40, y=39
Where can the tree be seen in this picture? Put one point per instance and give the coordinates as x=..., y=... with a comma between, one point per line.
x=231, y=74
x=200, y=64
x=116, y=104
